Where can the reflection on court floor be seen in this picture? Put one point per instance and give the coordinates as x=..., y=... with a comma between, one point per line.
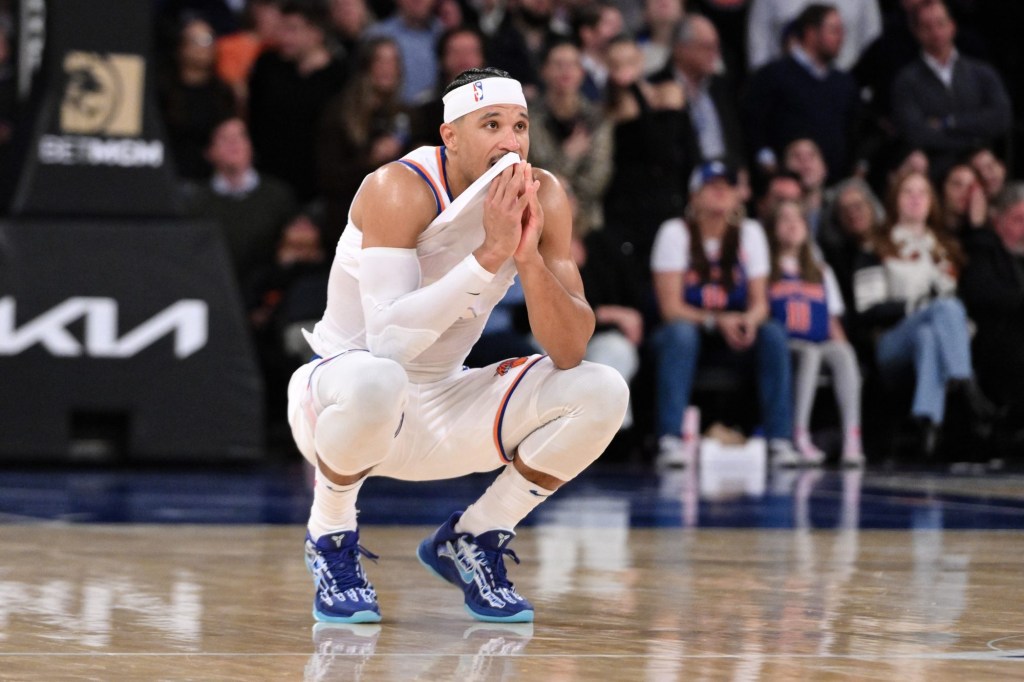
x=811, y=574
x=614, y=602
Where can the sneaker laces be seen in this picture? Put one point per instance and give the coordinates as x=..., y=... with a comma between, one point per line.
x=492, y=561
x=344, y=570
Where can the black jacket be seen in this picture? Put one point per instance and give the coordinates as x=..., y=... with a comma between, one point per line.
x=723, y=94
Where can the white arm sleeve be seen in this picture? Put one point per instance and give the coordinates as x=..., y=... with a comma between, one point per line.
x=402, y=319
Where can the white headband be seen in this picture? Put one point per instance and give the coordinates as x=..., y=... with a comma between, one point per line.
x=482, y=93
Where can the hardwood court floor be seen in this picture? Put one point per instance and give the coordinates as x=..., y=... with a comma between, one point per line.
x=157, y=602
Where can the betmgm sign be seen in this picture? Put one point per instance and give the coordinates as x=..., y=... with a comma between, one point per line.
x=101, y=114
x=97, y=147
x=120, y=320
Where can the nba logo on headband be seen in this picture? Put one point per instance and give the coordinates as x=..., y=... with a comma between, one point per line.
x=470, y=97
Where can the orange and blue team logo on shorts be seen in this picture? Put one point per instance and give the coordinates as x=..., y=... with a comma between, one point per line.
x=507, y=365
x=478, y=91
x=499, y=417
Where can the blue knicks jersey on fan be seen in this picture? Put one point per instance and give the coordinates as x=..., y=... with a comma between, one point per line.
x=802, y=307
x=712, y=295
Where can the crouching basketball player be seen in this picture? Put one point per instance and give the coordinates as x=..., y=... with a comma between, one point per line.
x=433, y=241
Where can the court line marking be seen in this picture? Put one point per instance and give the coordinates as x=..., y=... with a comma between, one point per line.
x=992, y=643
x=1011, y=656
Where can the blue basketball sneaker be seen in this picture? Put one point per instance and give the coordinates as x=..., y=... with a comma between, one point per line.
x=343, y=594
x=476, y=566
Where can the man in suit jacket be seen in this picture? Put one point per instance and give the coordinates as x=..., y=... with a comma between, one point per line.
x=696, y=64
x=943, y=102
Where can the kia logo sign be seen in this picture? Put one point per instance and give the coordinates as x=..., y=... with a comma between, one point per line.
x=187, y=319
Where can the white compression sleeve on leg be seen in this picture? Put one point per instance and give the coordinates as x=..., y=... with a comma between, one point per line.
x=402, y=319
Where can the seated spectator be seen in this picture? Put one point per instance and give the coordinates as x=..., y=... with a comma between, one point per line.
x=877, y=68
x=904, y=291
x=879, y=62
x=363, y=127
x=991, y=170
x=415, y=28
x=193, y=99
x=288, y=90
x=803, y=95
x=964, y=204
x=458, y=49
x=456, y=13
x=521, y=41
x=803, y=157
x=237, y=52
x=349, y=20
x=785, y=185
x=730, y=19
x=943, y=102
x=299, y=253
x=912, y=161
x=655, y=151
x=223, y=16
x=992, y=288
x=805, y=299
x=855, y=216
x=710, y=274
x=695, y=64
x=594, y=26
x=658, y=33
x=768, y=19
x=280, y=297
x=489, y=15
x=568, y=135
x=250, y=207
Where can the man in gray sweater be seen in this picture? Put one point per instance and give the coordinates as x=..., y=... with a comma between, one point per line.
x=945, y=103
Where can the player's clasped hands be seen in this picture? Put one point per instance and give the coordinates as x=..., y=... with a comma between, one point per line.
x=512, y=215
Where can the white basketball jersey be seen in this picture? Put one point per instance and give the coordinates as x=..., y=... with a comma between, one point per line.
x=455, y=233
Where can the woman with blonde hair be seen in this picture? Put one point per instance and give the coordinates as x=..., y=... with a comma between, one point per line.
x=710, y=273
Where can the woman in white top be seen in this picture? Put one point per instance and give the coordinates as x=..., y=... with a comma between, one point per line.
x=710, y=274
x=905, y=290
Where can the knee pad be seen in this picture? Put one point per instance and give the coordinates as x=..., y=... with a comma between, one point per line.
x=359, y=403
x=601, y=390
x=590, y=402
x=373, y=386
x=301, y=427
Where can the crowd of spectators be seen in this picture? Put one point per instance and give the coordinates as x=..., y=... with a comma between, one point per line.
x=726, y=159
